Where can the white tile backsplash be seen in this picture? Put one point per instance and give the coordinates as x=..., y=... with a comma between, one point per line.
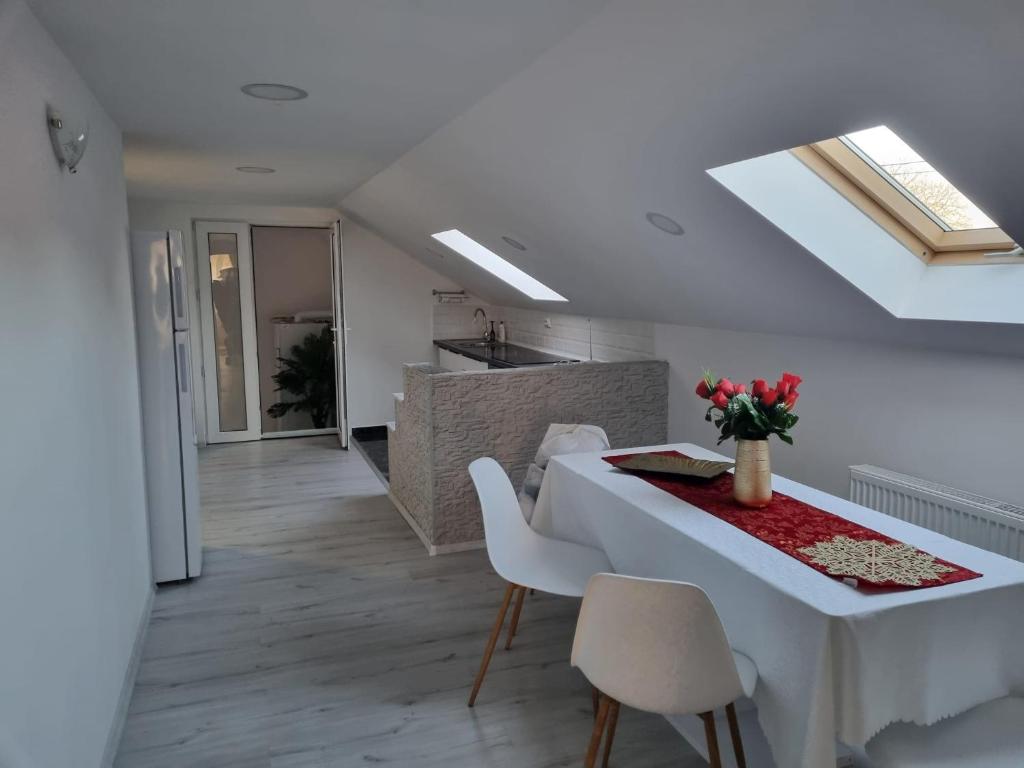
x=455, y=321
x=612, y=340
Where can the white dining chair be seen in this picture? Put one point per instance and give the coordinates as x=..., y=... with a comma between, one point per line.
x=658, y=646
x=524, y=558
x=989, y=736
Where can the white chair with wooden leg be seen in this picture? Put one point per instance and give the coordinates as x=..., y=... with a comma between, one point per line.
x=658, y=646
x=524, y=558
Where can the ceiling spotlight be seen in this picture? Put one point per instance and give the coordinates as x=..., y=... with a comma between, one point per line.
x=514, y=243
x=254, y=169
x=274, y=92
x=664, y=223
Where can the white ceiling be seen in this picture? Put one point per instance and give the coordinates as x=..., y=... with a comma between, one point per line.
x=625, y=115
x=382, y=76
x=621, y=111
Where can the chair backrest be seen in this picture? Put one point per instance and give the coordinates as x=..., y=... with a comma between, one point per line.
x=657, y=646
x=507, y=534
x=559, y=440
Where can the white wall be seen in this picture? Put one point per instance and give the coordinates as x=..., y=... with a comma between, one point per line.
x=389, y=311
x=906, y=409
x=74, y=554
x=146, y=214
x=950, y=418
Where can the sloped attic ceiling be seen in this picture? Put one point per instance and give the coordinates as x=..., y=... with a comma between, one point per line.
x=626, y=114
x=381, y=74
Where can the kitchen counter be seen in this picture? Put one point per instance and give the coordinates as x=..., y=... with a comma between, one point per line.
x=445, y=419
x=499, y=355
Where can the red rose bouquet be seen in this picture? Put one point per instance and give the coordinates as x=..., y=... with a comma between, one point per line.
x=754, y=412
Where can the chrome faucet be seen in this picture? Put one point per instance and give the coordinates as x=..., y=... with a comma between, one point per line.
x=480, y=311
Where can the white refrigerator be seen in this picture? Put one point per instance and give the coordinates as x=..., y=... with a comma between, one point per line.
x=169, y=434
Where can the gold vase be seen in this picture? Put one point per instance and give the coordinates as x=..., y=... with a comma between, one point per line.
x=752, y=484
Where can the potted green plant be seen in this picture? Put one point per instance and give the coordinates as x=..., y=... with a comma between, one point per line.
x=309, y=377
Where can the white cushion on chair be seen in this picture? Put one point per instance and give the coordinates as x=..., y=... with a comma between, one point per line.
x=989, y=736
x=561, y=439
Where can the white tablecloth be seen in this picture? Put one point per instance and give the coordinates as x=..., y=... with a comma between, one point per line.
x=834, y=661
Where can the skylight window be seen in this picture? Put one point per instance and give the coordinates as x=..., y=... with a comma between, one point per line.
x=915, y=177
x=816, y=196
x=484, y=257
x=884, y=177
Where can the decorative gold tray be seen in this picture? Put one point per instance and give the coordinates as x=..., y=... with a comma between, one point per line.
x=682, y=466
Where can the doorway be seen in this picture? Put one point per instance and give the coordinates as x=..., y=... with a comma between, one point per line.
x=270, y=309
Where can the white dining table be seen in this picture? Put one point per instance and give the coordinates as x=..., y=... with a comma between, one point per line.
x=834, y=661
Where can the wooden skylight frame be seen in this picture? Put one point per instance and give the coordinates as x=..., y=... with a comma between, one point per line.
x=850, y=175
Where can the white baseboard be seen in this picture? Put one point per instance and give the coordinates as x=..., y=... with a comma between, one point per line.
x=462, y=546
x=128, y=684
x=433, y=549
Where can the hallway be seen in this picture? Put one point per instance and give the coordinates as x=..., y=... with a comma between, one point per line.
x=321, y=634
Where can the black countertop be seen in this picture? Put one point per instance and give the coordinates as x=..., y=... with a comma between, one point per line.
x=500, y=355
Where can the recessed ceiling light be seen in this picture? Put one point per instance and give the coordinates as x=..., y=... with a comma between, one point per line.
x=274, y=92
x=254, y=169
x=497, y=266
x=514, y=243
x=664, y=223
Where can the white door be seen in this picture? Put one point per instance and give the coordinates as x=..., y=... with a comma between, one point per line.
x=338, y=329
x=231, y=372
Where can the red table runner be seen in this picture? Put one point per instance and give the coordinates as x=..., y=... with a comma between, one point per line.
x=824, y=541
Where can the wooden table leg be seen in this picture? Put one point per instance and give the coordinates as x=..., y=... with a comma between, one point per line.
x=714, y=758
x=491, y=642
x=737, y=740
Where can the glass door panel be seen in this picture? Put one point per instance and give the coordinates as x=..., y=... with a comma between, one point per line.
x=229, y=345
x=227, y=330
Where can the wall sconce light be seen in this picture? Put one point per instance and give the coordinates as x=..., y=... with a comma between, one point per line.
x=68, y=141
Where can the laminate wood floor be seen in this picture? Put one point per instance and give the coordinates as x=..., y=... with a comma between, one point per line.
x=321, y=634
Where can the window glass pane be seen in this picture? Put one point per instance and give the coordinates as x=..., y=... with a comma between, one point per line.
x=227, y=331
x=912, y=174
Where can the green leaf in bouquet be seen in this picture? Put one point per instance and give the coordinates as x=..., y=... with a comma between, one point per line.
x=746, y=405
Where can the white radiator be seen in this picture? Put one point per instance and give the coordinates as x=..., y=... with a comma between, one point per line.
x=986, y=523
